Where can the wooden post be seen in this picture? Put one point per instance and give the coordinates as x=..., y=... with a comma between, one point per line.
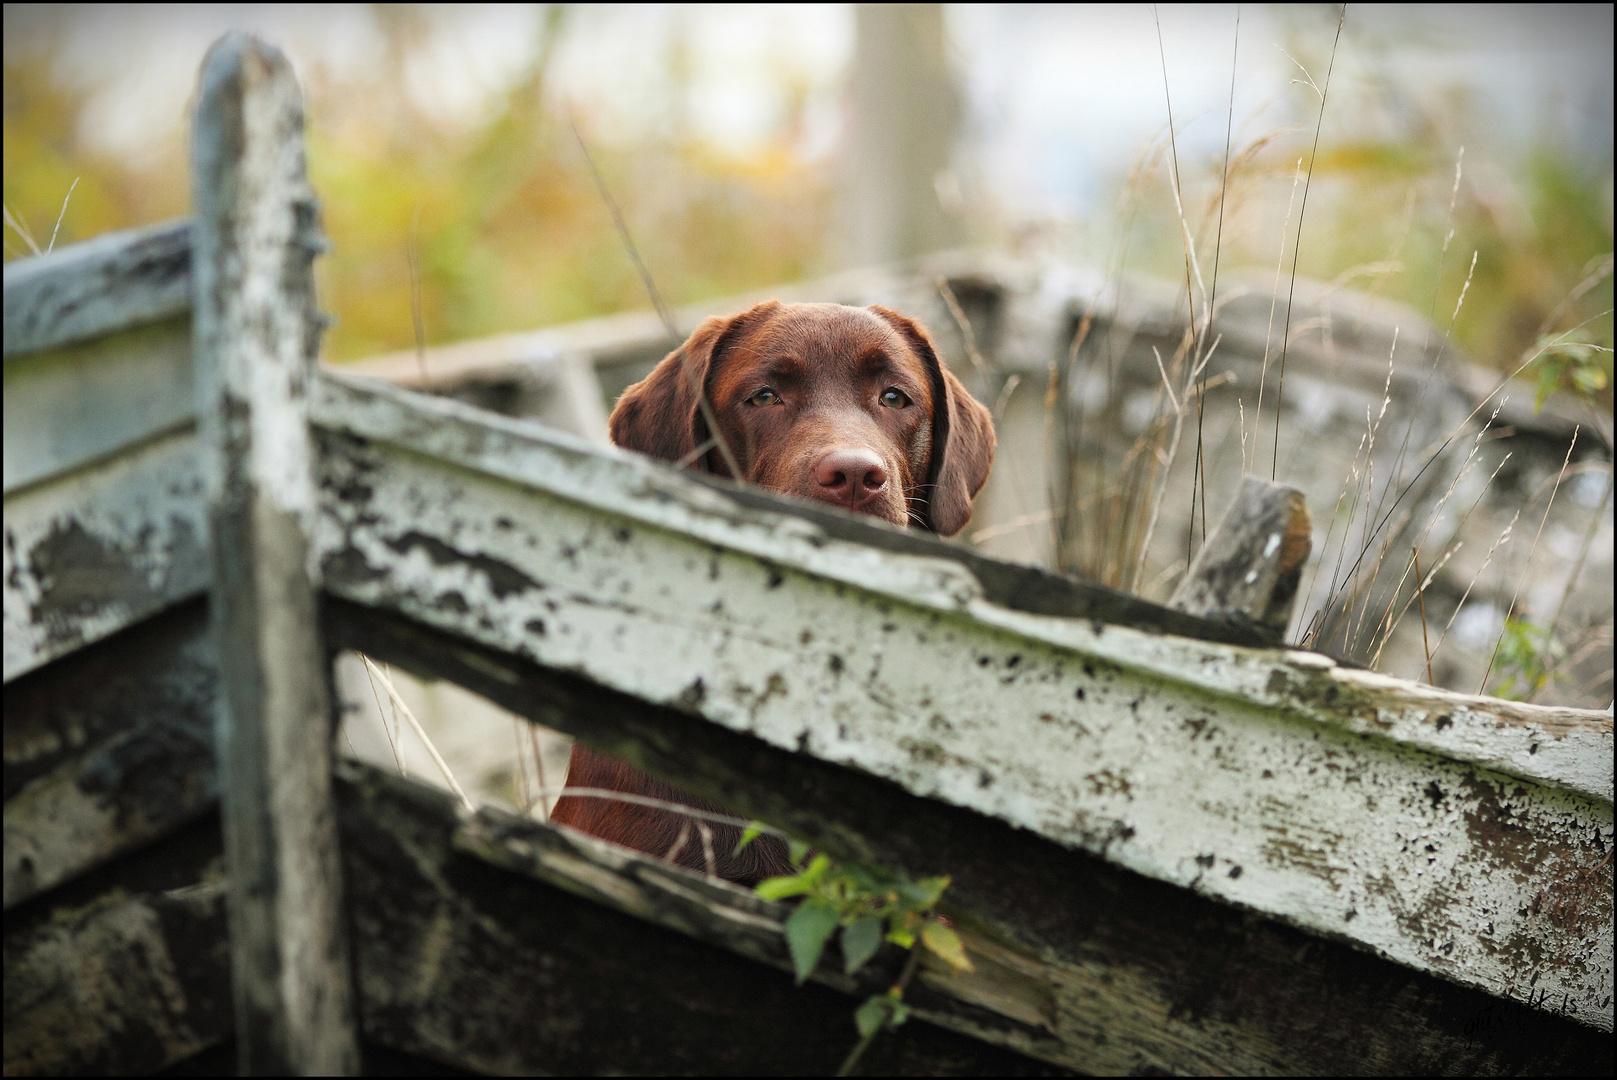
x=1248, y=569
x=905, y=111
x=256, y=333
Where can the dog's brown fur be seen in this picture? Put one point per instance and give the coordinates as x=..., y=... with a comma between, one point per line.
x=850, y=406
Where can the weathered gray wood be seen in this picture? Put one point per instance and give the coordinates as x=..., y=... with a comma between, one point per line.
x=117, y=984
x=1086, y=964
x=101, y=549
x=1247, y=571
x=69, y=406
x=904, y=117
x=107, y=750
x=1271, y=779
x=88, y=290
x=257, y=331
x=608, y=963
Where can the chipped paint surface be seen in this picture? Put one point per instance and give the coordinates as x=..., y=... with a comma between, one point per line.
x=98, y=549
x=1268, y=778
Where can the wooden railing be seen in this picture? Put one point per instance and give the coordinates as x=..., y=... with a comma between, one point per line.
x=1172, y=845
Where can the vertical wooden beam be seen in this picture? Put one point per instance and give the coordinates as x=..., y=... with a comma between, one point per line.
x=1248, y=569
x=256, y=332
x=905, y=115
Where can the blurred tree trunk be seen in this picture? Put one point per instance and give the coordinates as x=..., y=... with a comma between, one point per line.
x=904, y=117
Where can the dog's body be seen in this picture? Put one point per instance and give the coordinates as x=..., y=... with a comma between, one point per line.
x=850, y=406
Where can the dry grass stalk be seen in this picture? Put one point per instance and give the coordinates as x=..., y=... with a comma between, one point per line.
x=704, y=406
x=967, y=337
x=1577, y=567
x=20, y=227
x=1296, y=247
x=381, y=714
x=1527, y=564
x=52, y=245
x=1504, y=538
x=1274, y=303
x=1387, y=627
x=415, y=725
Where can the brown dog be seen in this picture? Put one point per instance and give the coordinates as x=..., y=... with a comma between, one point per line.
x=850, y=406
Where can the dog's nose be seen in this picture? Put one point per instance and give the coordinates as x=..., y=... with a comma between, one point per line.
x=850, y=478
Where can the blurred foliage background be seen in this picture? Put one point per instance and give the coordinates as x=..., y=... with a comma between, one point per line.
x=494, y=201
x=509, y=232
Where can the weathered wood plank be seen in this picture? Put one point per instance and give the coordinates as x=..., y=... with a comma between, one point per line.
x=1248, y=569
x=1086, y=963
x=257, y=332
x=107, y=750
x=1270, y=779
x=125, y=971
x=114, y=282
x=101, y=549
x=67, y=407
x=486, y=969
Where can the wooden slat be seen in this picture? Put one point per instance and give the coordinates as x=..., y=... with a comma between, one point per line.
x=108, y=750
x=483, y=968
x=257, y=332
x=1084, y=964
x=86, y=291
x=101, y=549
x=1346, y=802
x=70, y=406
x=126, y=978
x=1165, y=979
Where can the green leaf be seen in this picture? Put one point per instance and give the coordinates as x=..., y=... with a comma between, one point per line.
x=870, y=1016
x=901, y=1013
x=924, y=893
x=816, y=870
x=860, y=942
x=902, y=936
x=807, y=931
x=797, y=850
x=779, y=888
x=943, y=941
x=748, y=835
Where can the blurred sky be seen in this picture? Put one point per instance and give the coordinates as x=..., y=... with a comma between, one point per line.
x=1059, y=99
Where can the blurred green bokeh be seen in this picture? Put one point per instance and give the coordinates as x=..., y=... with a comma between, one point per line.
x=510, y=232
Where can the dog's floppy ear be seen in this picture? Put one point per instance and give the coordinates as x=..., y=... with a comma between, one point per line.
x=659, y=415
x=962, y=435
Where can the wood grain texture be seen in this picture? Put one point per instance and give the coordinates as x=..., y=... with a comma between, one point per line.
x=108, y=750
x=1086, y=964
x=1248, y=569
x=1415, y=822
x=89, y=290
x=257, y=333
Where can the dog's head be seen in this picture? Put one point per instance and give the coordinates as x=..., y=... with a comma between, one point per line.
x=851, y=406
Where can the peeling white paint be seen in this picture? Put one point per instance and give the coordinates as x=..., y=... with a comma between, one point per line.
x=91, y=552
x=1217, y=768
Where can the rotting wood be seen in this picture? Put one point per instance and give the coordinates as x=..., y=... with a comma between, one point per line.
x=463, y=961
x=257, y=331
x=102, y=549
x=88, y=290
x=118, y=984
x=1263, y=777
x=1248, y=569
x=107, y=750
x=1102, y=969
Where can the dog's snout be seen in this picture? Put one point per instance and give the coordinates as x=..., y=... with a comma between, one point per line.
x=850, y=478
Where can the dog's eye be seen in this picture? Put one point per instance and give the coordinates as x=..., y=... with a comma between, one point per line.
x=765, y=396
x=894, y=398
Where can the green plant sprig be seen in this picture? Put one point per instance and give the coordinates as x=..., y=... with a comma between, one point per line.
x=868, y=906
x=1576, y=364
x=1527, y=658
